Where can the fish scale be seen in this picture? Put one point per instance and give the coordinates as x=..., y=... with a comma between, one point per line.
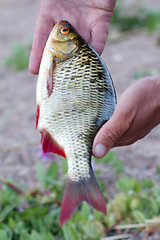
x=82, y=98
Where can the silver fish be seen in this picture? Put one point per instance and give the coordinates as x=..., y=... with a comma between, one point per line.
x=75, y=96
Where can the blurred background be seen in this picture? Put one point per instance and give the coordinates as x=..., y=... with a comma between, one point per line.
x=132, y=51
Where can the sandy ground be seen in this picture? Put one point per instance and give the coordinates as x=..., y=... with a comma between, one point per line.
x=19, y=142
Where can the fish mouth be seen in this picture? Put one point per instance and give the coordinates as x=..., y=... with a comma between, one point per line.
x=65, y=41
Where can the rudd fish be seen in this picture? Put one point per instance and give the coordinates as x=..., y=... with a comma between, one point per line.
x=75, y=96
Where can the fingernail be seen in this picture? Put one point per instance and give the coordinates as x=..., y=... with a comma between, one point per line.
x=100, y=150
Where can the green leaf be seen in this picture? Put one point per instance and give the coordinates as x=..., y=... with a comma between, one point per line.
x=4, y=235
x=47, y=236
x=110, y=220
x=144, y=73
x=154, y=207
x=52, y=174
x=24, y=235
x=111, y=158
x=85, y=210
x=135, y=16
x=93, y=230
x=108, y=158
x=19, y=56
x=8, y=209
x=35, y=235
x=53, y=170
x=158, y=170
x=70, y=232
x=138, y=216
x=148, y=183
x=127, y=184
x=118, y=165
x=41, y=174
x=134, y=204
x=12, y=224
x=64, y=165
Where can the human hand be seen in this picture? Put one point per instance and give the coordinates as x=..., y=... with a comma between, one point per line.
x=136, y=114
x=90, y=18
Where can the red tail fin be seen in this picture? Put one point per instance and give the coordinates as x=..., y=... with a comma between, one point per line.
x=76, y=192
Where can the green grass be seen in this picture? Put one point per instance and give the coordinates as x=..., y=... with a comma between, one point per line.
x=135, y=17
x=35, y=215
x=19, y=57
x=145, y=73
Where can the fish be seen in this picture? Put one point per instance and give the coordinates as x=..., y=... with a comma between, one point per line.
x=75, y=96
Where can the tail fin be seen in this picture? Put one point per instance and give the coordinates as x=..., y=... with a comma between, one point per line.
x=76, y=192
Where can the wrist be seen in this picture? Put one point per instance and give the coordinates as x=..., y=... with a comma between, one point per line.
x=156, y=100
x=157, y=92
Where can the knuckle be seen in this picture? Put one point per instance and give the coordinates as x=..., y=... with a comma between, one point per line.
x=125, y=142
x=127, y=117
x=111, y=136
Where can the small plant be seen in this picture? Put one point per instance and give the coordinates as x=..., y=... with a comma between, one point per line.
x=19, y=57
x=34, y=215
x=135, y=16
x=144, y=73
x=135, y=202
x=158, y=170
x=111, y=158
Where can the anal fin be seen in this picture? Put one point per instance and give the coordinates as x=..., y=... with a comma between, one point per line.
x=49, y=144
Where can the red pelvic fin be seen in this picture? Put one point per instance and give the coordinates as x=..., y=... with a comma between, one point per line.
x=76, y=192
x=37, y=116
x=49, y=144
x=50, y=79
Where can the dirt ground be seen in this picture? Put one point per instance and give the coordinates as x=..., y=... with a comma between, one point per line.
x=19, y=142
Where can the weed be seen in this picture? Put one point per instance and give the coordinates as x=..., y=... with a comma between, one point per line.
x=28, y=215
x=19, y=57
x=145, y=72
x=135, y=16
x=111, y=158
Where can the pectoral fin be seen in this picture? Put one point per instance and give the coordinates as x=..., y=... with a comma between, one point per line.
x=50, y=79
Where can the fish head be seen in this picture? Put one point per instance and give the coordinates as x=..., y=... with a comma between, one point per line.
x=63, y=41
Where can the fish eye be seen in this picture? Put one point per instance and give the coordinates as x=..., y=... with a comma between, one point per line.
x=65, y=30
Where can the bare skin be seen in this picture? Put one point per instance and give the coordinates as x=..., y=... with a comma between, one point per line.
x=90, y=18
x=136, y=114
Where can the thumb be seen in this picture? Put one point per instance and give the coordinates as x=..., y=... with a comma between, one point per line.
x=43, y=28
x=108, y=135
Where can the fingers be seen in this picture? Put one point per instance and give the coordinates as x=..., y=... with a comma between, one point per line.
x=105, y=139
x=110, y=133
x=99, y=40
x=43, y=28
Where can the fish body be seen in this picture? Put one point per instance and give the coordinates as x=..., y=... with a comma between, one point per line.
x=75, y=96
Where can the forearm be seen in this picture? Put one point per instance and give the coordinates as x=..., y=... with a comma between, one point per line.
x=156, y=100
x=157, y=91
